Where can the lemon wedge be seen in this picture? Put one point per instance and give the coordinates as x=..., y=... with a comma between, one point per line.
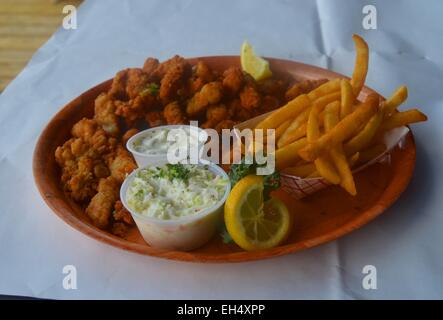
x=256, y=66
x=253, y=223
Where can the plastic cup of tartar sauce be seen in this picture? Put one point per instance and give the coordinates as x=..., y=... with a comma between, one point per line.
x=152, y=145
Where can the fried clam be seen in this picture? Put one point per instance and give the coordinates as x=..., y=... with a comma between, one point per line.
x=302, y=87
x=211, y=93
x=102, y=204
x=104, y=114
x=214, y=115
x=174, y=114
x=121, y=164
x=155, y=118
x=82, y=159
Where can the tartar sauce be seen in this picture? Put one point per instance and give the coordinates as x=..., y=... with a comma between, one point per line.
x=156, y=142
x=172, y=191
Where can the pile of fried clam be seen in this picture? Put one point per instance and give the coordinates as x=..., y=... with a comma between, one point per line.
x=94, y=161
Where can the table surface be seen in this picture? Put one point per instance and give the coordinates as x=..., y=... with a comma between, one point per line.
x=404, y=244
x=24, y=26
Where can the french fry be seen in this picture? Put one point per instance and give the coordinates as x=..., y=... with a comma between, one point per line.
x=361, y=64
x=286, y=156
x=400, y=95
x=301, y=171
x=344, y=170
x=326, y=169
x=300, y=131
x=331, y=116
x=282, y=128
x=347, y=98
x=322, y=163
x=403, y=118
x=371, y=153
x=292, y=109
x=325, y=89
x=294, y=125
x=364, y=137
x=314, y=115
x=345, y=129
x=354, y=159
x=313, y=126
x=315, y=174
x=338, y=157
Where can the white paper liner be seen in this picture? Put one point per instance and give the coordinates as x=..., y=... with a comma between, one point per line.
x=300, y=187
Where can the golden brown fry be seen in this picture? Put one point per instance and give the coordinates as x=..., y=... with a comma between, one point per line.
x=400, y=95
x=342, y=131
x=288, y=135
x=322, y=163
x=282, y=128
x=326, y=169
x=288, y=155
x=314, y=175
x=361, y=64
x=332, y=114
x=340, y=161
x=313, y=129
x=325, y=89
x=347, y=98
x=300, y=132
x=371, y=153
x=403, y=118
x=354, y=159
x=301, y=171
x=290, y=110
x=365, y=136
x=297, y=129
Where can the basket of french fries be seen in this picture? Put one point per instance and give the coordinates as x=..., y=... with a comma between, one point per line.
x=325, y=136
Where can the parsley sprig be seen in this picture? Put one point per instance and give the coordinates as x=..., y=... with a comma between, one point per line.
x=174, y=171
x=151, y=88
x=239, y=171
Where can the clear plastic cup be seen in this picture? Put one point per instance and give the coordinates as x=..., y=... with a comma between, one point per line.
x=145, y=159
x=185, y=233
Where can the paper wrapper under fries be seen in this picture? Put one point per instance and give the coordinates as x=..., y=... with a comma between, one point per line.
x=301, y=187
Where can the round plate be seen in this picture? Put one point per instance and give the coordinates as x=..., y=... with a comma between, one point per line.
x=322, y=217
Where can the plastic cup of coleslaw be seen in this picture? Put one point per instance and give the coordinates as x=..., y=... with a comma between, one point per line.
x=151, y=145
x=181, y=233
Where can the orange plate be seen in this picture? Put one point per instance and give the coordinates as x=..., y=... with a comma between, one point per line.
x=322, y=217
